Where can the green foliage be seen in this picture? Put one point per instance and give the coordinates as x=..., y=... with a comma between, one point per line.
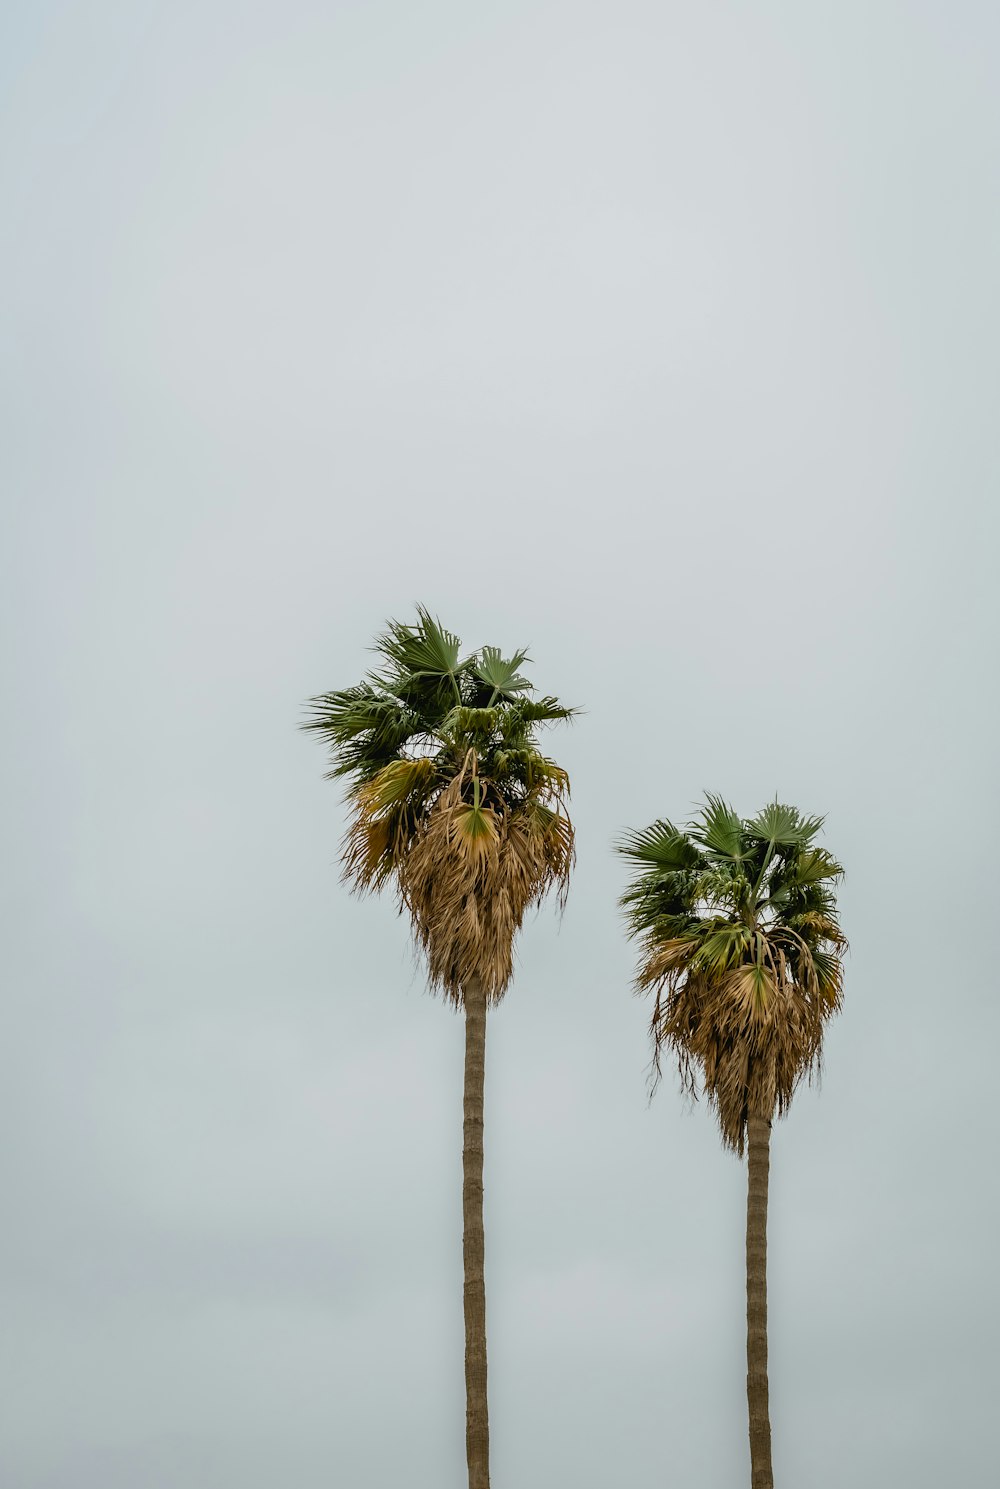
x=423, y=716
x=719, y=830
x=661, y=845
x=423, y=651
x=782, y=826
x=741, y=943
x=499, y=675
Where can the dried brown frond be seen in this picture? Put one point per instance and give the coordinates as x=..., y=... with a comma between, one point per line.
x=747, y=1037
x=471, y=871
x=662, y=960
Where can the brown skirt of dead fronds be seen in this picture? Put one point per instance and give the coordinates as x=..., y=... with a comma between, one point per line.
x=474, y=868
x=746, y=1038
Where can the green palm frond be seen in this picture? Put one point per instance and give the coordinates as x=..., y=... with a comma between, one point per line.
x=663, y=896
x=523, y=715
x=426, y=648
x=423, y=664
x=793, y=892
x=783, y=826
x=662, y=846
x=810, y=867
x=465, y=723
x=724, y=886
x=829, y=968
x=719, y=829
x=363, y=727
x=547, y=710
x=343, y=715
x=500, y=674
x=655, y=922
x=542, y=773
x=723, y=947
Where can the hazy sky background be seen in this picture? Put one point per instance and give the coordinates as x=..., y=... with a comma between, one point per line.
x=663, y=338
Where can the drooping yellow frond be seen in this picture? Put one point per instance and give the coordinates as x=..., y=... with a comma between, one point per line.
x=474, y=831
x=399, y=781
x=754, y=992
x=367, y=854
x=662, y=960
x=385, y=812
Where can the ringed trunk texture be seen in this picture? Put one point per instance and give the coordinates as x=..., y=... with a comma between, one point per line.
x=477, y=1427
x=758, y=1163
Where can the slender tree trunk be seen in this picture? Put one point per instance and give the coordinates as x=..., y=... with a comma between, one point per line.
x=477, y=1427
x=758, y=1163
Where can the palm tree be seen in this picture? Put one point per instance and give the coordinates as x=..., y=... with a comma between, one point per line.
x=740, y=942
x=454, y=805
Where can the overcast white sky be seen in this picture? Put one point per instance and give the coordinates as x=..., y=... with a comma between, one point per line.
x=661, y=337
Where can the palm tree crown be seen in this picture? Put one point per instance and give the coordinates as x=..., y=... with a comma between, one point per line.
x=738, y=926
x=452, y=799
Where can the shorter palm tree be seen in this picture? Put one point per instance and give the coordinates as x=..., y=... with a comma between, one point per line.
x=741, y=946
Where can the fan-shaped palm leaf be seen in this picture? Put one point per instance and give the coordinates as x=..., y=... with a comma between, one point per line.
x=500, y=674
x=720, y=830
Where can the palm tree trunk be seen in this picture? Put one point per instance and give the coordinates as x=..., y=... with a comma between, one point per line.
x=477, y=1428
x=758, y=1163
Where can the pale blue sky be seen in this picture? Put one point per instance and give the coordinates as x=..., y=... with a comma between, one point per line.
x=662, y=338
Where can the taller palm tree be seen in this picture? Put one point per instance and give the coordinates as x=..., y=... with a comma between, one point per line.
x=741, y=944
x=455, y=806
